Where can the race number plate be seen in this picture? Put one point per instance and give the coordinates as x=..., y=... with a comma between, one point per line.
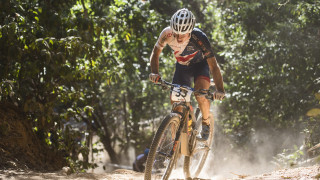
x=178, y=95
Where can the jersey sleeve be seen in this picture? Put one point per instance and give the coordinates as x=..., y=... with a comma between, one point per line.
x=163, y=38
x=202, y=41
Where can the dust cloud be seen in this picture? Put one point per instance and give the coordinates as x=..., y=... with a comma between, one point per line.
x=250, y=155
x=232, y=156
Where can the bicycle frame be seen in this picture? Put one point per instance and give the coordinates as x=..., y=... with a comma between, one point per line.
x=183, y=109
x=183, y=127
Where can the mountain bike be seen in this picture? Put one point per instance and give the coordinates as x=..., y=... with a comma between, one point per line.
x=177, y=135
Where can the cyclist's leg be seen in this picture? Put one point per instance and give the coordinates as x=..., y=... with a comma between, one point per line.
x=204, y=104
x=202, y=81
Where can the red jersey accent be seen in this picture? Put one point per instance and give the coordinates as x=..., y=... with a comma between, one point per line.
x=186, y=58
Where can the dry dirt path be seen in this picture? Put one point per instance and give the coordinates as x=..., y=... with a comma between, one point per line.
x=302, y=173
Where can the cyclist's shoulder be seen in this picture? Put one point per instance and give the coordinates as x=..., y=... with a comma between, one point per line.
x=167, y=30
x=200, y=39
x=165, y=37
x=198, y=34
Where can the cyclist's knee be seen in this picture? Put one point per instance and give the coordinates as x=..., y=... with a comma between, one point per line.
x=202, y=100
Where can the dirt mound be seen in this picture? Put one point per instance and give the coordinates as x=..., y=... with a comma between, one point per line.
x=20, y=148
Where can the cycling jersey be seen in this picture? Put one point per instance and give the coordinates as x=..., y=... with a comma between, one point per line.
x=196, y=49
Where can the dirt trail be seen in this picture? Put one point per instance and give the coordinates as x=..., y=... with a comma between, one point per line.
x=302, y=173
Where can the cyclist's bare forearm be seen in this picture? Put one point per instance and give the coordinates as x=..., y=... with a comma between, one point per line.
x=154, y=60
x=216, y=73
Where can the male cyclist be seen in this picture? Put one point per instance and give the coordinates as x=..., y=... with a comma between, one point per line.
x=195, y=59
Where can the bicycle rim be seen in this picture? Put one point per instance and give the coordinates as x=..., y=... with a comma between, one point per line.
x=194, y=163
x=159, y=162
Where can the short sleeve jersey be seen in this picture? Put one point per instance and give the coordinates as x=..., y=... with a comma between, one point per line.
x=196, y=49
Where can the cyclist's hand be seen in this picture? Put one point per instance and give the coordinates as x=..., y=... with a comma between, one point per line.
x=154, y=77
x=218, y=95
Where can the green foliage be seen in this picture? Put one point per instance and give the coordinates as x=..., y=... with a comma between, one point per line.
x=270, y=60
x=88, y=61
x=289, y=157
x=82, y=61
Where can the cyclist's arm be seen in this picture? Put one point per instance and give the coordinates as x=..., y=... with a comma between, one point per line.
x=216, y=73
x=205, y=46
x=154, y=60
x=157, y=49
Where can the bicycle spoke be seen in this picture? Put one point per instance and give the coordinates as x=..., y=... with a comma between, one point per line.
x=164, y=154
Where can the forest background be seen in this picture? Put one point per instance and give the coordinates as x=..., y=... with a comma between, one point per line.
x=73, y=69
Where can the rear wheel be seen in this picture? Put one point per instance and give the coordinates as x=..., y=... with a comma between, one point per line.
x=159, y=162
x=194, y=163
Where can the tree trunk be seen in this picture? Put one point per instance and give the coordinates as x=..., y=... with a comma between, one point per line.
x=105, y=138
x=126, y=123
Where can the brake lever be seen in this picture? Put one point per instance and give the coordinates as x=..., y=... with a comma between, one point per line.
x=206, y=93
x=164, y=87
x=209, y=96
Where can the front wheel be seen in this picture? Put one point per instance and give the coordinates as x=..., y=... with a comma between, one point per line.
x=160, y=162
x=194, y=163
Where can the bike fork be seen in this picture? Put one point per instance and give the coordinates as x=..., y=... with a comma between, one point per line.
x=176, y=140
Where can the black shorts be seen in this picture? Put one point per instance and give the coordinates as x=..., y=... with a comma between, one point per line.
x=184, y=74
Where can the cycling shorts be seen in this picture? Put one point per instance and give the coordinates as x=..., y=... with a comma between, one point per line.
x=184, y=74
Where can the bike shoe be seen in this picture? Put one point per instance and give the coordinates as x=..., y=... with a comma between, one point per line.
x=204, y=133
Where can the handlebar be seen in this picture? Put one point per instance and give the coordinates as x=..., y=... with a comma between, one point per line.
x=201, y=92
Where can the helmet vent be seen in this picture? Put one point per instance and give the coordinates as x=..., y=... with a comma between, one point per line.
x=182, y=21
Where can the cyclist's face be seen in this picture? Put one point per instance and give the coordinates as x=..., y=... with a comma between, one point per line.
x=182, y=37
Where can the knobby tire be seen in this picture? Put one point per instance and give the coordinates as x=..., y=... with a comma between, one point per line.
x=170, y=122
x=190, y=170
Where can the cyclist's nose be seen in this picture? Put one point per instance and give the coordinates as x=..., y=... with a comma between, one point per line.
x=180, y=38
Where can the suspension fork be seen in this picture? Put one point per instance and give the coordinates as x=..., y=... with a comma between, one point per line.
x=183, y=123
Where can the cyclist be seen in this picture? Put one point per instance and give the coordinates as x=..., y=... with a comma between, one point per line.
x=195, y=59
x=138, y=164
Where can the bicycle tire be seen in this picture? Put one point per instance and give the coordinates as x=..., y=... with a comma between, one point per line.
x=158, y=163
x=194, y=163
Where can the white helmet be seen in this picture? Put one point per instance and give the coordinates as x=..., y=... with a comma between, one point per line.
x=182, y=21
